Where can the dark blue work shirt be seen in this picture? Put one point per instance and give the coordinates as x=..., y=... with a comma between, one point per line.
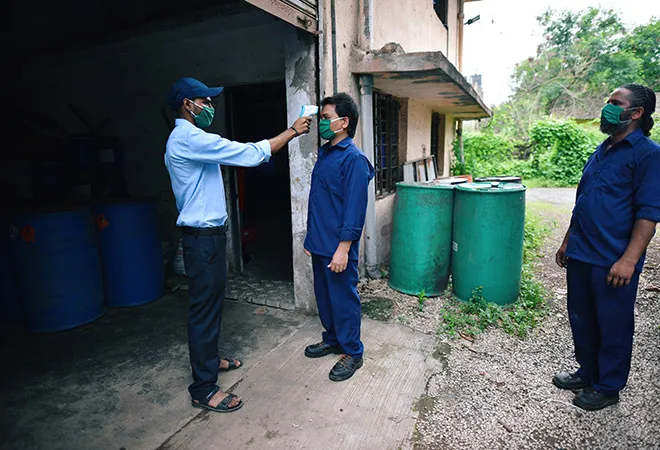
x=618, y=187
x=338, y=199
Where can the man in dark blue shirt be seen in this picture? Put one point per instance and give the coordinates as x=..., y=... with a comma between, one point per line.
x=337, y=209
x=614, y=219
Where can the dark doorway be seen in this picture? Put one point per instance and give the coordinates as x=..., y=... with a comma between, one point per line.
x=256, y=112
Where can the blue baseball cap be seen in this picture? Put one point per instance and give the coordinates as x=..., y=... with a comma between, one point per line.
x=189, y=88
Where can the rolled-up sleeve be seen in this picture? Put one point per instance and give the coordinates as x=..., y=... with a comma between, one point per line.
x=213, y=149
x=647, y=186
x=356, y=188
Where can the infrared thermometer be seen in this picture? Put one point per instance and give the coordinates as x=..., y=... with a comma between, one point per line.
x=309, y=110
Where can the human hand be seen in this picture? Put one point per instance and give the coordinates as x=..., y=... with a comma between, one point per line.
x=339, y=261
x=560, y=257
x=302, y=125
x=621, y=273
x=307, y=252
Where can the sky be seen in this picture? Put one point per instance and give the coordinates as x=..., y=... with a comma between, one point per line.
x=508, y=33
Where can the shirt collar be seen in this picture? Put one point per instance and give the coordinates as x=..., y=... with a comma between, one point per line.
x=342, y=145
x=635, y=136
x=180, y=122
x=631, y=139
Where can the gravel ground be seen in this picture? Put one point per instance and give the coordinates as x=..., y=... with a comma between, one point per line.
x=496, y=392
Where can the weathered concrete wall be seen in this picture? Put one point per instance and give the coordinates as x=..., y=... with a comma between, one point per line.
x=346, y=19
x=300, y=57
x=416, y=27
x=452, y=52
x=419, y=129
x=127, y=81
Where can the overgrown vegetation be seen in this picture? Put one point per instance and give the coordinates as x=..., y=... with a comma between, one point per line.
x=536, y=134
x=476, y=315
x=553, y=155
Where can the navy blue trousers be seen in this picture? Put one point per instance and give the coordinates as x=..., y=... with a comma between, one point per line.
x=204, y=259
x=603, y=323
x=339, y=305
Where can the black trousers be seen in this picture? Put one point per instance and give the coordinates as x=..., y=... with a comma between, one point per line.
x=204, y=259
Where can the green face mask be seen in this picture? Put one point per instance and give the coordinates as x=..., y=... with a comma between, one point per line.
x=204, y=118
x=610, y=119
x=324, y=129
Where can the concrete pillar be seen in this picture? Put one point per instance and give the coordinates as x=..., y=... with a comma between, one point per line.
x=301, y=85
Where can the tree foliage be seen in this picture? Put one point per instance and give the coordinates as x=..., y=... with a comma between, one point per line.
x=585, y=56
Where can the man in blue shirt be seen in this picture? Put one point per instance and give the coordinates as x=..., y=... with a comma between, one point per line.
x=337, y=209
x=614, y=219
x=193, y=158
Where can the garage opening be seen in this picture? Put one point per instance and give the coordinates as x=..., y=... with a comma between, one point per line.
x=255, y=112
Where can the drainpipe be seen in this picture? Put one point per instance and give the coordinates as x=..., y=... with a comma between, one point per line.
x=333, y=25
x=367, y=129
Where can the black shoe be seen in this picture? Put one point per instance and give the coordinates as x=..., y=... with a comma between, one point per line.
x=321, y=349
x=345, y=368
x=591, y=400
x=569, y=381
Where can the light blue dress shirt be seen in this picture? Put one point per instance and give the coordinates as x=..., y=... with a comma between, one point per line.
x=193, y=158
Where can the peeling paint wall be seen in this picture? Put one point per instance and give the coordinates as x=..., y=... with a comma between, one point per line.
x=416, y=27
x=300, y=62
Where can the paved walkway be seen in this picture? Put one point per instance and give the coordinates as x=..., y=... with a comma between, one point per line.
x=555, y=196
x=120, y=383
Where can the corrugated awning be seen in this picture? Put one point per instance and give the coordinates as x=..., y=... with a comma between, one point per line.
x=427, y=76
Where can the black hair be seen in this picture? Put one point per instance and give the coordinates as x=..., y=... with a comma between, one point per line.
x=345, y=106
x=642, y=97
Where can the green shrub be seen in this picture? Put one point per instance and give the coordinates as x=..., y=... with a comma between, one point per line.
x=553, y=155
x=560, y=149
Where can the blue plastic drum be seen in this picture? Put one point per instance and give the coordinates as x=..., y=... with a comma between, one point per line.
x=58, y=269
x=131, y=253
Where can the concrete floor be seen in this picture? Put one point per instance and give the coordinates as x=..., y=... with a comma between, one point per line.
x=120, y=383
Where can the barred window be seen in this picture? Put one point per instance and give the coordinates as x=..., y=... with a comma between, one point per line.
x=386, y=142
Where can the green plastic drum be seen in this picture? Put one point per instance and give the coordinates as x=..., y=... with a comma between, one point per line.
x=421, y=238
x=487, y=247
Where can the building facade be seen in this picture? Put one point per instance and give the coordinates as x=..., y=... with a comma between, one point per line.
x=106, y=71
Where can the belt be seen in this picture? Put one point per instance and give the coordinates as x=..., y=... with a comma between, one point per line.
x=215, y=231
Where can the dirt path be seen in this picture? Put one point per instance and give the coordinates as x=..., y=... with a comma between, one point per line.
x=496, y=393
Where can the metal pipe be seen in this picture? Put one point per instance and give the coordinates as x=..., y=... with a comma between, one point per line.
x=367, y=130
x=333, y=19
x=320, y=54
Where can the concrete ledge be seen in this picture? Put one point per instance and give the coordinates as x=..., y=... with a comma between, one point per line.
x=427, y=76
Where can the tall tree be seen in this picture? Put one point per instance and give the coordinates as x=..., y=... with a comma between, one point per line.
x=585, y=56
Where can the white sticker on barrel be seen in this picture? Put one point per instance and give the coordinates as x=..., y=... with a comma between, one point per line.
x=454, y=246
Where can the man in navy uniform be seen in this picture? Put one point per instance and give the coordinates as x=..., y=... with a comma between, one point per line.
x=617, y=208
x=193, y=160
x=337, y=210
